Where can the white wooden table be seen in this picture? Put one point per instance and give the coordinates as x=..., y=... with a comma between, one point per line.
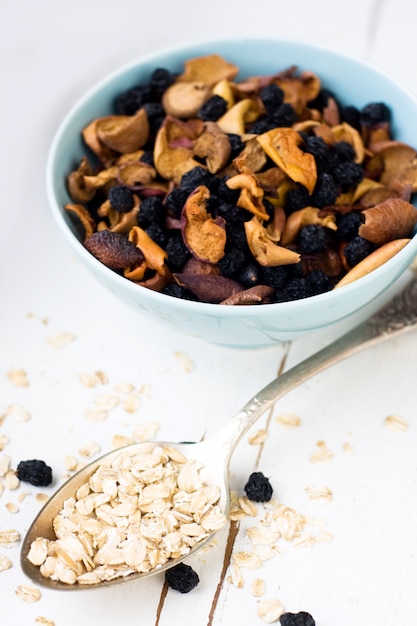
x=361, y=565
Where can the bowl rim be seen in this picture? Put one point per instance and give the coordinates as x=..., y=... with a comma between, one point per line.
x=207, y=308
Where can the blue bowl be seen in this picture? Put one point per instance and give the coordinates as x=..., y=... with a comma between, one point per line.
x=353, y=81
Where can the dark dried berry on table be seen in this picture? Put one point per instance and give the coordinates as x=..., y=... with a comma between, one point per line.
x=375, y=113
x=348, y=225
x=272, y=96
x=325, y=192
x=182, y=578
x=357, y=249
x=130, y=101
x=151, y=211
x=318, y=281
x=114, y=250
x=121, y=198
x=258, y=488
x=297, y=619
x=35, y=472
x=312, y=238
x=212, y=109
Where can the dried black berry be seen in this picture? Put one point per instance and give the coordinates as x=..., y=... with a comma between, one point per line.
x=318, y=281
x=160, y=80
x=157, y=234
x=297, y=619
x=175, y=200
x=236, y=144
x=194, y=178
x=348, y=174
x=147, y=157
x=321, y=101
x=351, y=115
x=182, y=578
x=151, y=211
x=375, y=113
x=249, y=276
x=130, y=101
x=232, y=263
x=348, y=225
x=258, y=488
x=295, y=289
x=176, y=291
x=215, y=107
x=156, y=115
x=312, y=238
x=357, y=249
x=297, y=198
x=35, y=472
x=121, y=198
x=275, y=276
x=272, y=97
x=320, y=151
x=325, y=191
x=178, y=253
x=283, y=116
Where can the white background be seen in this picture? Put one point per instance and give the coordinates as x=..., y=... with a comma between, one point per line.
x=51, y=52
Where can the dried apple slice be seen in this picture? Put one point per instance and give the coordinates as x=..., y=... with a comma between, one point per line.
x=204, y=236
x=281, y=145
x=389, y=220
x=264, y=249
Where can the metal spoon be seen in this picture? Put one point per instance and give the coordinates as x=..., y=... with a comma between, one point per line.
x=397, y=316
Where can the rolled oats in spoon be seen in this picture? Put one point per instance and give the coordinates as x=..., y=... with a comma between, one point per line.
x=144, y=508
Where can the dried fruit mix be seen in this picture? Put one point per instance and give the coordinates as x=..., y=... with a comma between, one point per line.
x=202, y=186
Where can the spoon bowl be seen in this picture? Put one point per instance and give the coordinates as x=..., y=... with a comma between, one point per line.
x=214, y=454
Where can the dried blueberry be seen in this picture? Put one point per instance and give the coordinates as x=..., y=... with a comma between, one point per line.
x=182, y=578
x=295, y=289
x=151, y=211
x=319, y=281
x=232, y=263
x=215, y=107
x=175, y=200
x=351, y=115
x=177, y=251
x=321, y=101
x=297, y=619
x=348, y=174
x=157, y=234
x=35, y=472
x=249, y=276
x=194, y=178
x=283, y=116
x=272, y=96
x=319, y=149
x=297, y=198
x=130, y=101
x=375, y=113
x=258, y=488
x=236, y=144
x=312, y=238
x=357, y=249
x=325, y=191
x=121, y=198
x=275, y=276
x=156, y=115
x=160, y=80
x=348, y=225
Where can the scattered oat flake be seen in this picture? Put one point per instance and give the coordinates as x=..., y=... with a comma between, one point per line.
x=322, y=454
x=144, y=432
x=124, y=387
x=347, y=447
x=18, y=377
x=18, y=413
x=11, y=480
x=323, y=536
x=61, y=340
x=44, y=621
x=258, y=438
x=9, y=537
x=90, y=450
x=22, y=495
x=270, y=611
x=41, y=498
x=88, y=380
x=70, y=463
x=28, y=593
x=291, y=420
x=319, y=494
x=95, y=414
x=131, y=403
x=186, y=363
x=4, y=440
x=101, y=377
x=248, y=560
x=5, y=563
x=106, y=401
x=121, y=440
x=12, y=507
x=396, y=423
x=4, y=464
x=258, y=587
x=236, y=576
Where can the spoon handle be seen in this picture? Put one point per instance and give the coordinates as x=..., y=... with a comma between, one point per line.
x=398, y=316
